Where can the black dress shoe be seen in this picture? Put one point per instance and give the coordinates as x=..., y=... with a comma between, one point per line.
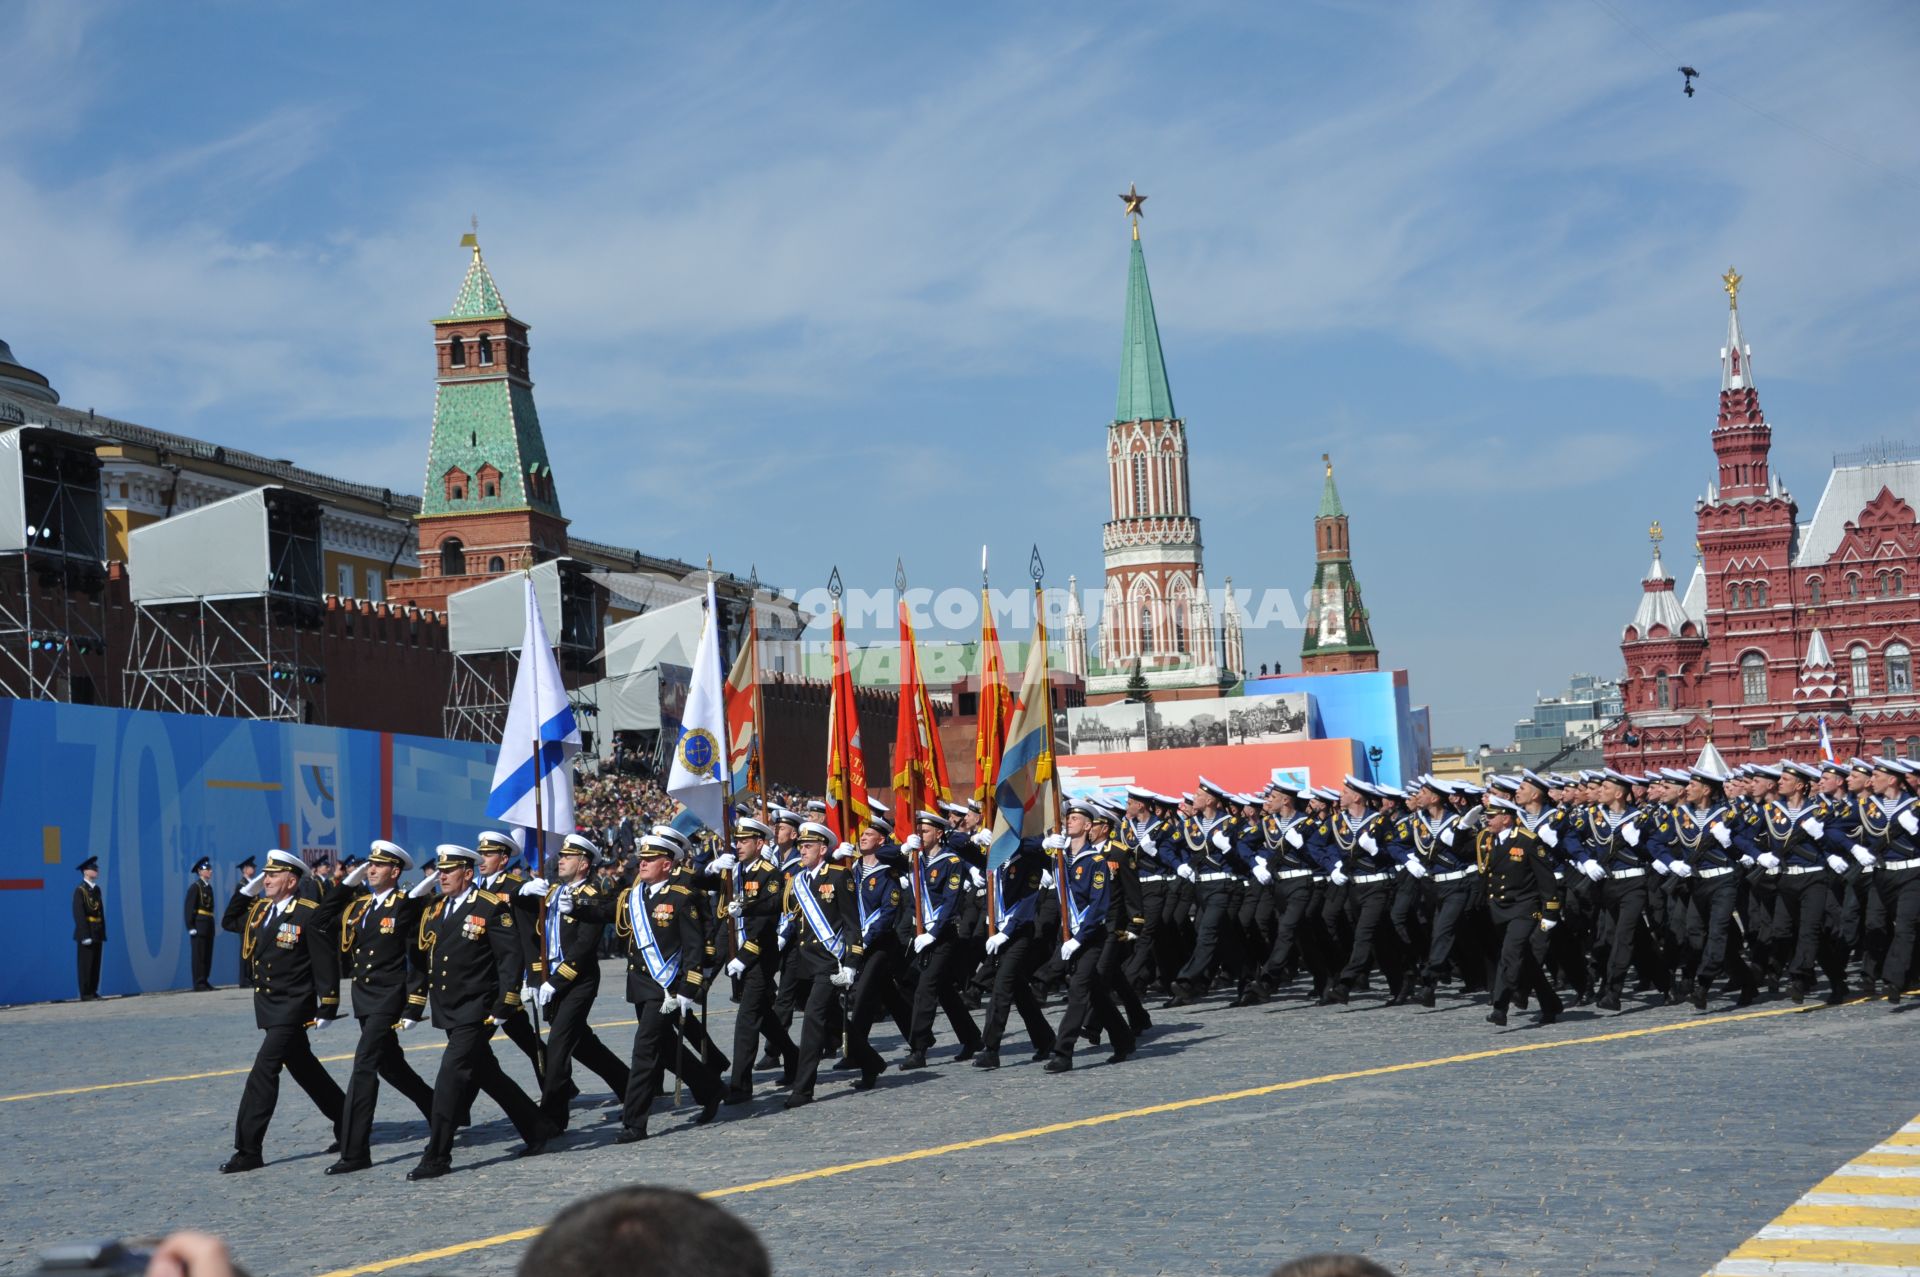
x=1608, y=1001
x=796, y=1100
x=1699, y=996
x=964, y=1054
x=429, y=1168
x=332, y=1148
x=739, y=1097
x=844, y=1062
x=1797, y=991
x=1120, y=1054
x=1497, y=1016
x=987, y=1059
x=1038, y=1056
x=768, y=1061
x=1140, y=1026
x=1838, y=994
x=914, y=1060
x=710, y=1110
x=1548, y=1014
x=629, y=1135
x=242, y=1162
x=867, y=1079
x=1429, y=994
x=1059, y=1063
x=348, y=1165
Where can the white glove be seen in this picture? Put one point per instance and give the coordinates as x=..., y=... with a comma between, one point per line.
x=534, y=887
x=1747, y=860
x=1836, y=863
x=1909, y=821
x=1661, y=869
x=1261, y=873
x=320, y=1023
x=906, y=882
x=845, y=851
x=1295, y=839
x=978, y=879
x=86, y=942
x=1148, y=845
x=1815, y=827
x=1548, y=924
x=254, y=885
x=544, y=994
x=527, y=994
x=1768, y=860
x=1446, y=835
x=722, y=863
x=921, y=941
x=425, y=887
x=912, y=843
x=1046, y=880
x=1722, y=835
x=407, y=1024
x=981, y=839
x=1221, y=841
x=1681, y=869
x=1415, y=868
x=736, y=968
x=1592, y=869
x=1630, y=833
x=1369, y=844
x=1862, y=855
x=1186, y=871
x=1548, y=835
x=841, y=978
x=1056, y=842
x=685, y=1005
x=1339, y=876
x=359, y=874
x=1068, y=949
x=996, y=941
x=733, y=908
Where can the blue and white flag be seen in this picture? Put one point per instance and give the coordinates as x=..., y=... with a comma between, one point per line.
x=540, y=713
x=698, y=777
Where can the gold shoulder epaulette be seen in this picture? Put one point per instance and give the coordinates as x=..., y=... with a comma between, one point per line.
x=681, y=889
x=487, y=896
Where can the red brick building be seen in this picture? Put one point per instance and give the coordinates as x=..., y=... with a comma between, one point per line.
x=1785, y=626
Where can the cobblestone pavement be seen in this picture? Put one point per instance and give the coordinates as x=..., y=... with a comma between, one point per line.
x=1656, y=1141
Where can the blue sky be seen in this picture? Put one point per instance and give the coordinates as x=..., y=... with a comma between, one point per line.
x=829, y=284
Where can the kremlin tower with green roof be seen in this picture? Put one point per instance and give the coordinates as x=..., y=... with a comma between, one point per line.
x=1339, y=640
x=489, y=504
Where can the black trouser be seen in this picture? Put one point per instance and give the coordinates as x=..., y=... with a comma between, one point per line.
x=1151, y=962
x=1623, y=904
x=377, y=1055
x=1088, y=1004
x=819, y=1018
x=1367, y=904
x=203, y=937
x=285, y=1046
x=1523, y=952
x=755, y=1018
x=1452, y=918
x=939, y=983
x=1801, y=930
x=520, y=1031
x=87, y=961
x=1214, y=903
x=1293, y=896
x=874, y=988
x=1014, y=966
x=1406, y=913
x=661, y=1042
x=1711, y=903
x=470, y=1067
x=1113, y=963
x=570, y=1038
x=1900, y=892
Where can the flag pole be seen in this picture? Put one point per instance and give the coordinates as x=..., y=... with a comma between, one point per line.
x=909, y=806
x=988, y=783
x=540, y=843
x=1038, y=569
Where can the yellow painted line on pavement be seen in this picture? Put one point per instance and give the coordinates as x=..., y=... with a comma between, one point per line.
x=1102, y=1119
x=211, y=1073
x=1863, y=1218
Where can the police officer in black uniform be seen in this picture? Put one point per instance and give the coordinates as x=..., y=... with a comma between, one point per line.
x=566, y=965
x=295, y=978
x=202, y=923
x=89, y=928
x=473, y=960
x=378, y=925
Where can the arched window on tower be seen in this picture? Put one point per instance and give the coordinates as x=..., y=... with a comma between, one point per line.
x=1899, y=669
x=1753, y=679
x=1813, y=591
x=496, y=564
x=1857, y=663
x=1180, y=624
x=1662, y=693
x=1899, y=582
x=1760, y=594
x=457, y=353
x=453, y=557
x=1853, y=585
x=486, y=350
x=1146, y=629
x=1141, y=503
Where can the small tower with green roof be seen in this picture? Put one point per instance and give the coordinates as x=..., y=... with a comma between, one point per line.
x=1338, y=639
x=489, y=504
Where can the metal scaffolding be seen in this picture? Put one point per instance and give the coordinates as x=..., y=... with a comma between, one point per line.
x=52, y=568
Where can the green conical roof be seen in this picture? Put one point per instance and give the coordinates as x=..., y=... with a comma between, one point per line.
x=1144, y=395
x=479, y=297
x=1330, y=507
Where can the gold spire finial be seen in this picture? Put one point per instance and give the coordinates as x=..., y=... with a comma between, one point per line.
x=1654, y=533
x=1328, y=460
x=1133, y=199
x=472, y=238
x=1731, y=282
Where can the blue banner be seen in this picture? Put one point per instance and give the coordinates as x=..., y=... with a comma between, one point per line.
x=149, y=794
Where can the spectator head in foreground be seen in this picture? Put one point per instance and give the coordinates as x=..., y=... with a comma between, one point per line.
x=1323, y=1266
x=641, y=1231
